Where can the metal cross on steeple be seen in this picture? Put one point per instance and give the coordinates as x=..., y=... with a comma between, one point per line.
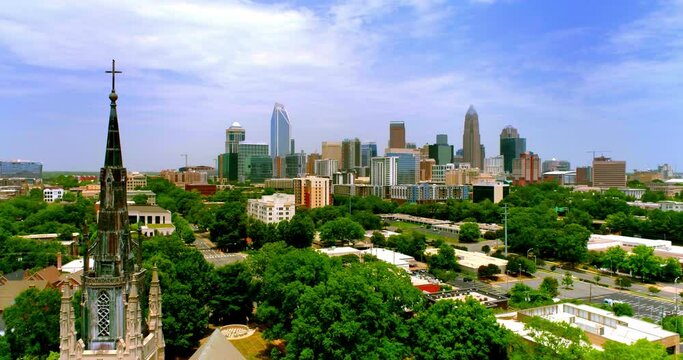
x=113, y=73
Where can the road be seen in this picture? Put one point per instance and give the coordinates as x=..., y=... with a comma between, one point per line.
x=213, y=255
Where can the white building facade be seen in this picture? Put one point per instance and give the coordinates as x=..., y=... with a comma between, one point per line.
x=384, y=171
x=272, y=209
x=50, y=195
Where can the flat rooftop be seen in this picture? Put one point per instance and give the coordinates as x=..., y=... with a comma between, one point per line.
x=623, y=329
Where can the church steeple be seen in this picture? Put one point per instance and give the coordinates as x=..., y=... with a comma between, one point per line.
x=111, y=311
x=113, y=154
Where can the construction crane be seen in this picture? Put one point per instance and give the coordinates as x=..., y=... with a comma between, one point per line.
x=185, y=155
x=598, y=151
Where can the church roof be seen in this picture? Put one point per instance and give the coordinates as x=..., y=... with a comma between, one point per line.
x=217, y=347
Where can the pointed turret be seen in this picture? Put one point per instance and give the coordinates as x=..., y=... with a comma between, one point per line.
x=67, y=331
x=154, y=315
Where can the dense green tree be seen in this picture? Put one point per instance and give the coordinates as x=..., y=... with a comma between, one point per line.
x=300, y=231
x=183, y=228
x=523, y=296
x=572, y=245
x=469, y=232
x=228, y=230
x=673, y=323
x=623, y=282
x=670, y=269
x=342, y=229
x=457, y=330
x=550, y=286
x=285, y=277
x=140, y=199
x=444, y=260
x=615, y=258
x=639, y=350
x=359, y=312
x=186, y=287
x=378, y=239
x=231, y=301
x=488, y=271
x=410, y=244
x=622, y=309
x=261, y=233
x=643, y=263
x=367, y=220
x=517, y=264
x=33, y=323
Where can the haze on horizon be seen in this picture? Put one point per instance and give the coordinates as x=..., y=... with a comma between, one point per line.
x=571, y=76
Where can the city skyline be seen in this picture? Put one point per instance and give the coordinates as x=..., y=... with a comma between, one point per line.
x=590, y=72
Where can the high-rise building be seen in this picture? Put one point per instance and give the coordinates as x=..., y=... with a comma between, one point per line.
x=325, y=167
x=511, y=146
x=441, y=152
x=608, y=173
x=292, y=146
x=112, y=314
x=556, y=165
x=367, y=152
x=351, y=156
x=234, y=135
x=251, y=155
x=332, y=150
x=280, y=135
x=666, y=170
x=471, y=142
x=526, y=169
x=312, y=192
x=310, y=163
x=397, y=135
x=384, y=171
x=408, y=166
x=19, y=169
x=295, y=165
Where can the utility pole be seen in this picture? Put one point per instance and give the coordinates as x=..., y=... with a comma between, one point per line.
x=185, y=155
x=506, y=230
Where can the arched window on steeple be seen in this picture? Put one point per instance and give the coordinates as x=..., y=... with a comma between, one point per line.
x=103, y=309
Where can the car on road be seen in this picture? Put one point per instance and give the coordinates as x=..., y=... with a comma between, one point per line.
x=612, y=302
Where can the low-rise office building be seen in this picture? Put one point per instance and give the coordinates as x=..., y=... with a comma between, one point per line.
x=272, y=209
x=599, y=325
x=153, y=220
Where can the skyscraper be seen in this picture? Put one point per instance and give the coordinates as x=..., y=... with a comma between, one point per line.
x=397, y=135
x=367, y=151
x=228, y=162
x=351, y=157
x=471, y=142
x=441, y=152
x=332, y=150
x=511, y=146
x=112, y=313
x=407, y=166
x=234, y=135
x=280, y=131
x=384, y=171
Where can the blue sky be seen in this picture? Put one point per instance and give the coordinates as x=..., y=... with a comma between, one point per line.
x=572, y=76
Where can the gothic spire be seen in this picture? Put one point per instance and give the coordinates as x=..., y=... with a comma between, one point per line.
x=113, y=155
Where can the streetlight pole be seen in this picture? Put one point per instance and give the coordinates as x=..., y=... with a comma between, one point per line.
x=676, y=297
x=527, y=255
x=506, y=230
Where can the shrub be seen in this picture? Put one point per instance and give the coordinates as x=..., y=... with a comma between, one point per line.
x=486, y=249
x=653, y=289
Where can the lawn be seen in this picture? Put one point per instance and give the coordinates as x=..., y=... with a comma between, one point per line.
x=430, y=234
x=254, y=347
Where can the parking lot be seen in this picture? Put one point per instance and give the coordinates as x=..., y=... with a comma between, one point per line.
x=643, y=307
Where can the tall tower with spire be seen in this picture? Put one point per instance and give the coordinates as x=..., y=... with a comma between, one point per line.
x=112, y=316
x=471, y=141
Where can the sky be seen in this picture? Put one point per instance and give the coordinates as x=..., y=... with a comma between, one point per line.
x=572, y=76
